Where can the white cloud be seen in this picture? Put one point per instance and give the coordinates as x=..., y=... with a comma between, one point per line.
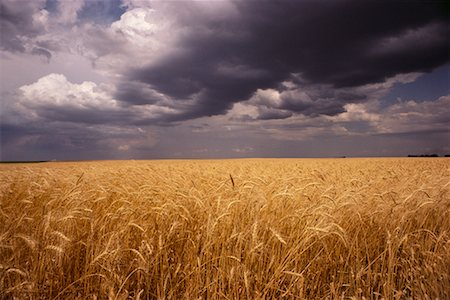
x=54, y=98
x=138, y=25
x=123, y=148
x=246, y=149
x=356, y=112
x=242, y=109
x=55, y=90
x=268, y=97
x=140, y=35
x=40, y=19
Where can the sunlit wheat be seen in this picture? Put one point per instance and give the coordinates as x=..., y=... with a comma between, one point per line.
x=226, y=229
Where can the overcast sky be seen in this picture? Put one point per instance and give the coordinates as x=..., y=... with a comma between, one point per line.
x=134, y=79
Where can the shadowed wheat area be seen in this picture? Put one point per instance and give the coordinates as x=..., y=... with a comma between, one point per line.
x=226, y=229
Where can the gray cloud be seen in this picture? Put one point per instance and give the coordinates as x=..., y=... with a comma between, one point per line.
x=43, y=52
x=136, y=93
x=265, y=113
x=299, y=97
x=19, y=21
x=65, y=141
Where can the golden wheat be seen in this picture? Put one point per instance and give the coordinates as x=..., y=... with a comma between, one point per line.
x=226, y=229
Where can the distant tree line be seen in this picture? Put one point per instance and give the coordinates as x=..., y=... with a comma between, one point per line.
x=427, y=155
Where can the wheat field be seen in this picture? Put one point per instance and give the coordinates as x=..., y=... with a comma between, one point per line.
x=226, y=229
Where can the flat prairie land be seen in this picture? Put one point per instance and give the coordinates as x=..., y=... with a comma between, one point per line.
x=226, y=229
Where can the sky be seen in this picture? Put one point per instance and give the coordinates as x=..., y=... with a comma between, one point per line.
x=136, y=79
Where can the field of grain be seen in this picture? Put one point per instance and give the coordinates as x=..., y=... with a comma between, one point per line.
x=226, y=229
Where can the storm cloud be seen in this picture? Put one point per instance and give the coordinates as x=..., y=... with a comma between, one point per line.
x=259, y=45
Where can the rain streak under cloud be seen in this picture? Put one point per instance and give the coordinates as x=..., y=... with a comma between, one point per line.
x=99, y=79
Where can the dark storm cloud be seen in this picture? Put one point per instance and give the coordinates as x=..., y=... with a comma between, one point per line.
x=86, y=116
x=338, y=42
x=265, y=113
x=46, y=141
x=318, y=100
x=319, y=107
x=136, y=93
x=62, y=140
x=304, y=98
x=205, y=78
x=9, y=133
x=341, y=43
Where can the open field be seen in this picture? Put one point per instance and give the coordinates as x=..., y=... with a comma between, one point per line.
x=226, y=229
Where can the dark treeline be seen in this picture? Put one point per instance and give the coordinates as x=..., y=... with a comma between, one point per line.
x=427, y=155
x=22, y=161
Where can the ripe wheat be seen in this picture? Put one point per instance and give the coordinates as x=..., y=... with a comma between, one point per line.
x=228, y=229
